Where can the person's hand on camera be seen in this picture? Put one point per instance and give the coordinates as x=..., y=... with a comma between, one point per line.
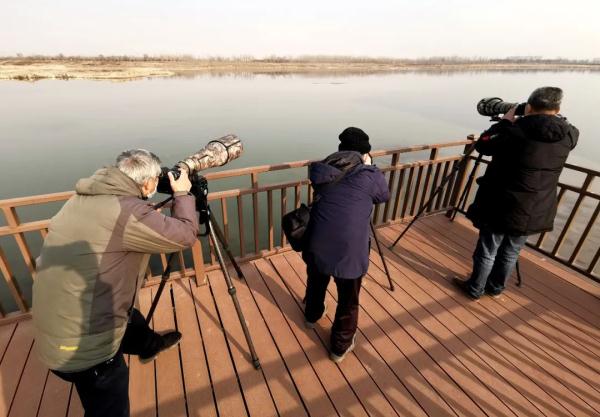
x=182, y=184
x=510, y=115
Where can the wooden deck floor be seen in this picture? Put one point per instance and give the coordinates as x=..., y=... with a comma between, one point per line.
x=422, y=350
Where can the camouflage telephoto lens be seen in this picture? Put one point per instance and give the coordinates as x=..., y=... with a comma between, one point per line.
x=493, y=106
x=216, y=153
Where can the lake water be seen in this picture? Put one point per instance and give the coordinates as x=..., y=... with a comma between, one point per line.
x=55, y=132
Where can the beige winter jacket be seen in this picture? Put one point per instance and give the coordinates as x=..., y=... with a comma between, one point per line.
x=92, y=264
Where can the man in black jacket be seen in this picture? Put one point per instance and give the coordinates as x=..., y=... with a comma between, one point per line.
x=517, y=195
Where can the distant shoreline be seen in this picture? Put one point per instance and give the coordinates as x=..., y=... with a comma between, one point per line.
x=126, y=68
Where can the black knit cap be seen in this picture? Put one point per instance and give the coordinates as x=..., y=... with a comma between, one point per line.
x=354, y=139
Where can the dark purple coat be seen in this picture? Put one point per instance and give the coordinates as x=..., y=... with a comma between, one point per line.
x=338, y=231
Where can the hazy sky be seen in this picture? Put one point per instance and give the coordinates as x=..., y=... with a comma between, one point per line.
x=400, y=28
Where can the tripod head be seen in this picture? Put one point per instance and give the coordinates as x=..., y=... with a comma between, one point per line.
x=200, y=191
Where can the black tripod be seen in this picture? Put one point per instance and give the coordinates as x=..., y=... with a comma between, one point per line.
x=460, y=165
x=200, y=191
x=462, y=200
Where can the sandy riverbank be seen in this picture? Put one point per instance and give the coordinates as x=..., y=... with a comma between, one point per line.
x=27, y=69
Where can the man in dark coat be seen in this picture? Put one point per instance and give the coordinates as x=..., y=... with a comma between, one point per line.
x=517, y=195
x=346, y=187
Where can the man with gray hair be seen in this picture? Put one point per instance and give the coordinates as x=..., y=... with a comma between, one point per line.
x=90, y=270
x=517, y=195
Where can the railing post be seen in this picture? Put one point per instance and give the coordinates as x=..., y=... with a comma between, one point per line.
x=386, y=210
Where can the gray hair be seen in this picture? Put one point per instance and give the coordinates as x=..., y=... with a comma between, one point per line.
x=546, y=98
x=139, y=164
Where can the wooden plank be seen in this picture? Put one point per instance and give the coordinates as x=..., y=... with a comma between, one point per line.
x=477, y=378
x=198, y=387
x=559, y=290
x=55, y=399
x=387, y=388
x=307, y=383
x=527, y=336
x=283, y=390
x=515, y=368
x=142, y=387
x=473, y=387
x=11, y=282
x=170, y=389
x=536, y=301
x=229, y=399
x=506, y=302
x=31, y=386
x=342, y=396
x=13, y=363
x=253, y=384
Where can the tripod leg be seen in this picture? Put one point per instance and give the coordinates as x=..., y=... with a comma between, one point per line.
x=425, y=206
x=232, y=291
x=385, y=267
x=463, y=197
x=221, y=237
x=161, y=287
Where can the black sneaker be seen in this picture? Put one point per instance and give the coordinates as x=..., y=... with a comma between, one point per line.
x=464, y=288
x=169, y=340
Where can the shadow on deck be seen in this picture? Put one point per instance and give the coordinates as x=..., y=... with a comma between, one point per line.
x=423, y=349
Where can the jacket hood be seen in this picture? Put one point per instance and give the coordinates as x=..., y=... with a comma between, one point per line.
x=108, y=181
x=546, y=128
x=330, y=168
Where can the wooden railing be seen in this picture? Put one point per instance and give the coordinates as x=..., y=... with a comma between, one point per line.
x=575, y=240
x=248, y=215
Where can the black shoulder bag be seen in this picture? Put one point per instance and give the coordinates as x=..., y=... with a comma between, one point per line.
x=295, y=223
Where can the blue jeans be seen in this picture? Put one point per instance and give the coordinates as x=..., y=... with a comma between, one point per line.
x=493, y=261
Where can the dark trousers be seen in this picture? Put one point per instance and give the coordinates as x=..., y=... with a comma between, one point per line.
x=346, y=313
x=104, y=388
x=493, y=261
